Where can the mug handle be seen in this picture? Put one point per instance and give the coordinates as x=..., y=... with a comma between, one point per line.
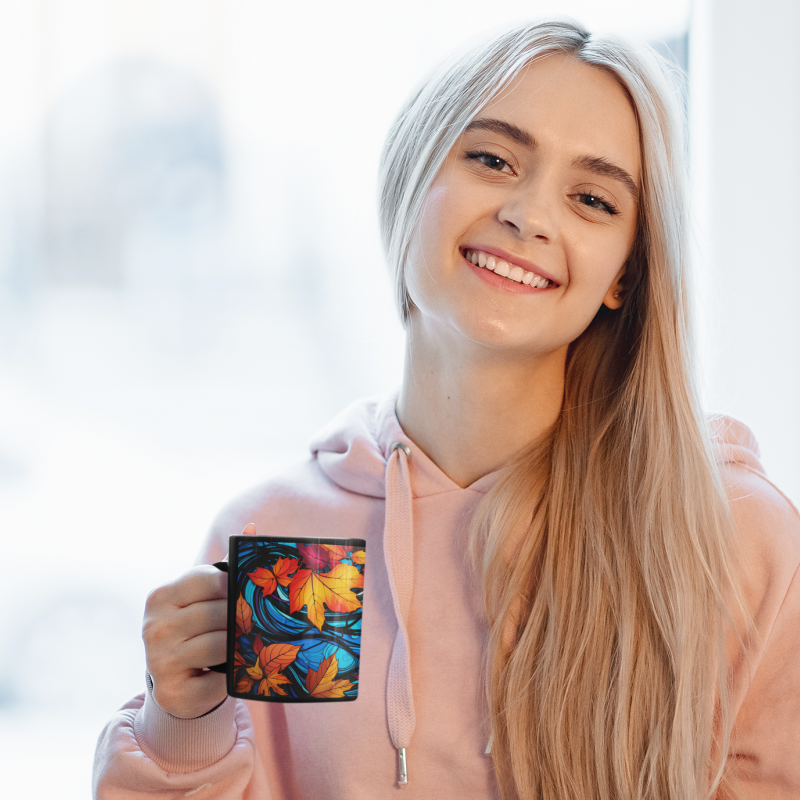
x=223, y=566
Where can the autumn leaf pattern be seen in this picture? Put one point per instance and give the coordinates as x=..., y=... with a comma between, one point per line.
x=268, y=579
x=333, y=589
x=298, y=619
x=244, y=617
x=320, y=682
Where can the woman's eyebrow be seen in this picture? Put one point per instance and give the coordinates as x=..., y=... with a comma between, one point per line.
x=601, y=166
x=504, y=128
x=596, y=164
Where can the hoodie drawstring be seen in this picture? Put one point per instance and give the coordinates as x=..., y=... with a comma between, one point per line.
x=398, y=543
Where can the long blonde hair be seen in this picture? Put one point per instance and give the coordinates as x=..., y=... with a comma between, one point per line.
x=605, y=549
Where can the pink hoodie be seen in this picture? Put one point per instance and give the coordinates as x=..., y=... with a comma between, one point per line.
x=424, y=636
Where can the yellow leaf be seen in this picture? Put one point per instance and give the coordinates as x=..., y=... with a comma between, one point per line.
x=273, y=682
x=320, y=682
x=332, y=589
x=255, y=671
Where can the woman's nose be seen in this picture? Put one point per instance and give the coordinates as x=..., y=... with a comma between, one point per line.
x=530, y=211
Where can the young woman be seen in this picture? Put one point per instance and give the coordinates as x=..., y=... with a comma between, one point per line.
x=578, y=586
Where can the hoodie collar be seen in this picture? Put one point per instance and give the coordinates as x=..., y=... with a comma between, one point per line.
x=354, y=448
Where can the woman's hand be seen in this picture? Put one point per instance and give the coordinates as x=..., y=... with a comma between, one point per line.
x=184, y=632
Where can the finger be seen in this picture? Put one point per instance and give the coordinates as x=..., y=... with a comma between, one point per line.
x=184, y=624
x=190, y=697
x=199, y=618
x=249, y=529
x=183, y=660
x=204, y=650
x=164, y=633
x=199, y=584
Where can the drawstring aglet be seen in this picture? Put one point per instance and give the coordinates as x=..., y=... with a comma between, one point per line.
x=401, y=755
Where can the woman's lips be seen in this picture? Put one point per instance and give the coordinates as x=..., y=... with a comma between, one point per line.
x=487, y=276
x=498, y=257
x=505, y=275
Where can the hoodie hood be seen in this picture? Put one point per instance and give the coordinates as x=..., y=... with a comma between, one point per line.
x=734, y=443
x=353, y=449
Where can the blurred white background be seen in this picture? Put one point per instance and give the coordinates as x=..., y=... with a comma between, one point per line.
x=191, y=284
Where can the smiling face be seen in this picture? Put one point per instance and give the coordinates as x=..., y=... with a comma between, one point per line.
x=526, y=228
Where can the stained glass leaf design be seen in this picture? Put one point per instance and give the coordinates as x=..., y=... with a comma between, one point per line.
x=358, y=557
x=283, y=569
x=332, y=589
x=337, y=552
x=314, y=556
x=264, y=578
x=321, y=682
x=273, y=682
x=271, y=659
x=244, y=617
x=276, y=657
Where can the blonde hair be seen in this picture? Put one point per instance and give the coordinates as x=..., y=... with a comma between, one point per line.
x=605, y=549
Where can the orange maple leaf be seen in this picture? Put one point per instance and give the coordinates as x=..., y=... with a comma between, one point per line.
x=268, y=579
x=358, y=557
x=264, y=578
x=320, y=682
x=278, y=656
x=273, y=682
x=333, y=589
x=244, y=616
x=283, y=568
x=271, y=658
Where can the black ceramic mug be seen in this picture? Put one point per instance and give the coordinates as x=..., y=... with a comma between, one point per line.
x=294, y=618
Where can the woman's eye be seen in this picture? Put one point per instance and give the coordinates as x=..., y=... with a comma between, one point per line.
x=491, y=161
x=595, y=202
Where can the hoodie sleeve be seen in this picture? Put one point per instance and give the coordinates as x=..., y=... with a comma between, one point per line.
x=765, y=763
x=145, y=752
x=238, y=750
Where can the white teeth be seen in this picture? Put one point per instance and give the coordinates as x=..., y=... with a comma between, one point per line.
x=505, y=270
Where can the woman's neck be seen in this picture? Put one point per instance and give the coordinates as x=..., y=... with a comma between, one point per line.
x=471, y=409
